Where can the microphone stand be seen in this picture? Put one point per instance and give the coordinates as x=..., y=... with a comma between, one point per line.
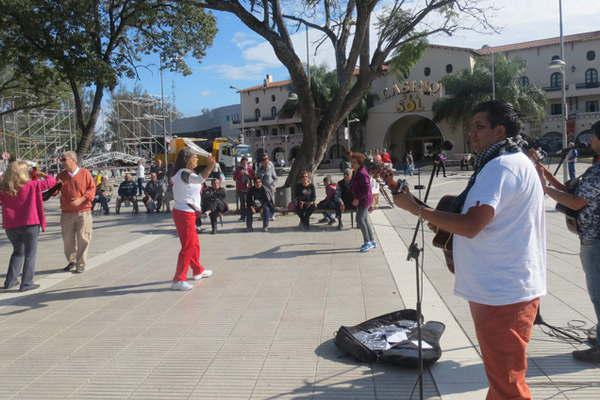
x=414, y=253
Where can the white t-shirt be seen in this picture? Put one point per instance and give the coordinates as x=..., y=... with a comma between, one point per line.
x=185, y=193
x=140, y=171
x=374, y=186
x=506, y=262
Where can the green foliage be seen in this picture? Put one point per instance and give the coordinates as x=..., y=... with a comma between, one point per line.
x=92, y=44
x=468, y=88
x=406, y=56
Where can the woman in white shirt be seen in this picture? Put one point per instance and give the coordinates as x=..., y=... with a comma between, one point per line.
x=186, y=193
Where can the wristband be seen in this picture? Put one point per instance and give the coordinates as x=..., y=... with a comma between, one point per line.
x=400, y=184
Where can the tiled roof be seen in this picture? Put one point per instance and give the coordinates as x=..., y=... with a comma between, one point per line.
x=579, y=37
x=268, y=86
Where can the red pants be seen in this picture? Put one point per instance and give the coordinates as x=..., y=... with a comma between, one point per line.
x=503, y=333
x=189, y=255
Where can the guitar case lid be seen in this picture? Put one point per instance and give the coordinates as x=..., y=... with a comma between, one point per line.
x=369, y=341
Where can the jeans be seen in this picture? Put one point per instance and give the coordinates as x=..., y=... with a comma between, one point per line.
x=24, y=240
x=330, y=205
x=242, y=196
x=362, y=221
x=103, y=200
x=590, y=260
x=304, y=214
x=140, y=185
x=266, y=215
x=571, y=169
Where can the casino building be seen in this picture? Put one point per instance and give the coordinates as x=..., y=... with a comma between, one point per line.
x=400, y=116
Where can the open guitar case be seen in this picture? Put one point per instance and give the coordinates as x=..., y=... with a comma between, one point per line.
x=369, y=341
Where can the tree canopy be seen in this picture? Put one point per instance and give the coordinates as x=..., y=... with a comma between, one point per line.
x=359, y=59
x=92, y=44
x=470, y=87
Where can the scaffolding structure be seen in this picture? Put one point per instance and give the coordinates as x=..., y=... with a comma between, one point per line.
x=141, y=125
x=38, y=135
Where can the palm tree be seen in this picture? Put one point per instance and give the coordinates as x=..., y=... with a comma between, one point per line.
x=471, y=87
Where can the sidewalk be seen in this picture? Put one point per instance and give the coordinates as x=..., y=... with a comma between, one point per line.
x=261, y=328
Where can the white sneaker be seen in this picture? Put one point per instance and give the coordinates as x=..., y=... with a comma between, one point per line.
x=181, y=285
x=206, y=274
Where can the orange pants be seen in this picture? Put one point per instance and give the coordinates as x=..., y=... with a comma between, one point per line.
x=503, y=333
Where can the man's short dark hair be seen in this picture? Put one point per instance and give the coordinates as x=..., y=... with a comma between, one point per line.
x=501, y=113
x=243, y=159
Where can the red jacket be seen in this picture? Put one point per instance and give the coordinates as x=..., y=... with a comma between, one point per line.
x=27, y=207
x=243, y=181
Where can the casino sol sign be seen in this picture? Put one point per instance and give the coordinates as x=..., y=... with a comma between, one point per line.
x=410, y=94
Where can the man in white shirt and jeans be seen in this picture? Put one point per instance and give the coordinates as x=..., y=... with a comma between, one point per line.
x=499, y=246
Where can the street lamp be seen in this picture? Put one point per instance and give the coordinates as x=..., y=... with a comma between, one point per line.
x=561, y=65
x=241, y=109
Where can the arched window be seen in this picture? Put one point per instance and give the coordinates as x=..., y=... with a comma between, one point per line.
x=591, y=55
x=556, y=80
x=449, y=68
x=591, y=76
x=273, y=112
x=524, y=81
x=555, y=58
x=427, y=71
x=257, y=114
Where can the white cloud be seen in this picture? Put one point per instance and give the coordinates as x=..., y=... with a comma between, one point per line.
x=251, y=71
x=243, y=40
x=205, y=93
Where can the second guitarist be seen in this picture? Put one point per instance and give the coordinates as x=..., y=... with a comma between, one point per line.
x=499, y=246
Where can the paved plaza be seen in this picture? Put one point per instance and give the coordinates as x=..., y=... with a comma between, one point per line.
x=262, y=327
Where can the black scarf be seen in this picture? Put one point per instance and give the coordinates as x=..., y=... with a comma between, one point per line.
x=508, y=145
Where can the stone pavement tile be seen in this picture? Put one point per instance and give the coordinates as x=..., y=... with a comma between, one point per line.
x=230, y=388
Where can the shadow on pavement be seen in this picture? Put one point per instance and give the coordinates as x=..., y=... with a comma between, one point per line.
x=276, y=252
x=42, y=299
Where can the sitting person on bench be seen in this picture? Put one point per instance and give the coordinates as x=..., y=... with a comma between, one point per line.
x=214, y=203
x=127, y=192
x=153, y=194
x=344, y=195
x=103, y=194
x=329, y=203
x=304, y=198
x=258, y=200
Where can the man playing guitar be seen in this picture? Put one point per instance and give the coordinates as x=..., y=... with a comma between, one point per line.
x=499, y=245
x=585, y=200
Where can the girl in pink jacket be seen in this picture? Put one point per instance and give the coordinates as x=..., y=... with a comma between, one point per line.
x=23, y=217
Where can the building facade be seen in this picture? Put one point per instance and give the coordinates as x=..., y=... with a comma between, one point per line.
x=400, y=116
x=212, y=124
x=272, y=125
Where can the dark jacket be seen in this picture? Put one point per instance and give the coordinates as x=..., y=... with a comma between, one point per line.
x=361, y=187
x=258, y=198
x=306, y=194
x=127, y=189
x=344, y=193
x=214, y=199
x=153, y=189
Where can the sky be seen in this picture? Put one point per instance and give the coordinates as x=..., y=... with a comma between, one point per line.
x=240, y=58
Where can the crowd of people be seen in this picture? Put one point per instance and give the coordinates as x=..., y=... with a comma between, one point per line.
x=498, y=223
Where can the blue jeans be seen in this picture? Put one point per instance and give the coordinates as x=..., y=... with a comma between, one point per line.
x=590, y=260
x=571, y=168
x=24, y=240
x=267, y=211
x=362, y=221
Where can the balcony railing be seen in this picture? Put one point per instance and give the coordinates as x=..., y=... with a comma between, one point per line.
x=269, y=118
x=554, y=88
x=251, y=119
x=587, y=85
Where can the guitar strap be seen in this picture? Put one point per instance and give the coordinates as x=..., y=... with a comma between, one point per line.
x=508, y=145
